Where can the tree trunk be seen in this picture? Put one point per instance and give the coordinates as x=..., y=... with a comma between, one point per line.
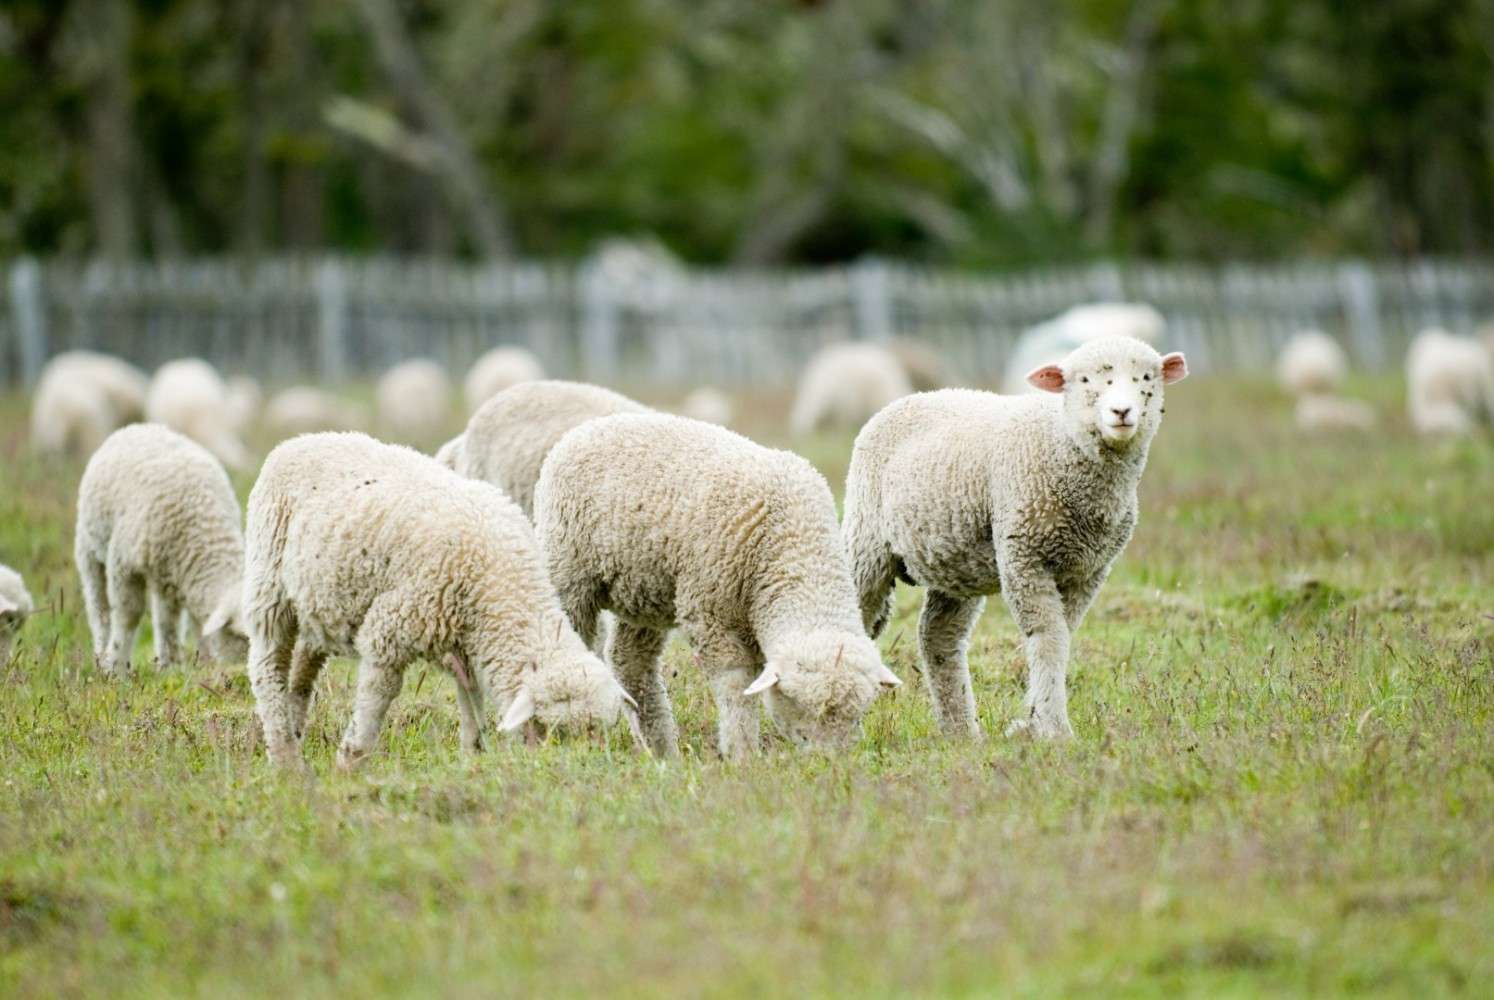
x=106, y=27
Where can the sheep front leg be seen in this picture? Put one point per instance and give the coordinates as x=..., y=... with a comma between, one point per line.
x=378, y=685
x=1039, y=612
x=634, y=656
x=1077, y=597
x=739, y=733
x=944, y=629
x=306, y=666
x=469, y=702
x=95, y=582
x=165, y=620
x=126, y=606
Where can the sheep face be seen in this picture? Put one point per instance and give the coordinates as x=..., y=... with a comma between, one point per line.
x=225, y=637
x=817, y=695
x=572, y=694
x=1112, y=389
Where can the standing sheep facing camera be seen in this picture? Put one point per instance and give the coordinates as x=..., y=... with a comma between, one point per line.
x=970, y=493
x=157, y=515
x=668, y=521
x=355, y=546
x=15, y=605
x=414, y=400
x=190, y=397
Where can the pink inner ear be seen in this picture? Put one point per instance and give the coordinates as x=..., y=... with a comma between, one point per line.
x=1174, y=368
x=1048, y=378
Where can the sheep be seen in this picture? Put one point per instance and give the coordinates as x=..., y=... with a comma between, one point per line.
x=669, y=521
x=506, y=441
x=245, y=398
x=360, y=547
x=304, y=410
x=157, y=515
x=414, y=400
x=15, y=605
x=844, y=384
x=707, y=404
x=969, y=494
x=1450, y=383
x=1048, y=343
x=1312, y=367
x=497, y=370
x=81, y=398
x=189, y=396
x=925, y=368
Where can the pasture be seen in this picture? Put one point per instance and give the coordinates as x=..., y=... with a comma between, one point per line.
x=1282, y=781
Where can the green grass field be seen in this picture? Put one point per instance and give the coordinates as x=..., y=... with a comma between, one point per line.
x=1283, y=782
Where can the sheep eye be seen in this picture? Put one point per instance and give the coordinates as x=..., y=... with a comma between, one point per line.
x=1084, y=379
x=1110, y=381
x=1147, y=376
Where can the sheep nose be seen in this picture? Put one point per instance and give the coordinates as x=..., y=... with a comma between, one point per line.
x=1121, y=412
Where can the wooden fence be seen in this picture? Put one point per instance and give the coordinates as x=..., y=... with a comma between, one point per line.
x=333, y=319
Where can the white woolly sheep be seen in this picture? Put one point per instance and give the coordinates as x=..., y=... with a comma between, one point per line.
x=304, y=410
x=81, y=398
x=969, y=493
x=1050, y=342
x=190, y=397
x=668, y=521
x=157, y=515
x=15, y=605
x=1450, y=383
x=245, y=398
x=414, y=400
x=846, y=383
x=497, y=370
x=1312, y=363
x=507, y=439
x=360, y=547
x=707, y=404
x=925, y=368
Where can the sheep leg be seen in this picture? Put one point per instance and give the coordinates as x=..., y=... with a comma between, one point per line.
x=95, y=601
x=634, y=655
x=270, y=654
x=875, y=572
x=165, y=619
x=306, y=665
x=126, y=592
x=1079, y=596
x=944, y=628
x=469, y=703
x=1039, y=612
x=738, y=730
x=378, y=684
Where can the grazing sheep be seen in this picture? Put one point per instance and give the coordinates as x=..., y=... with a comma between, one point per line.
x=507, y=439
x=846, y=383
x=245, y=398
x=668, y=521
x=707, y=404
x=414, y=400
x=355, y=546
x=970, y=493
x=15, y=605
x=190, y=397
x=81, y=398
x=1049, y=343
x=497, y=370
x=925, y=368
x=1312, y=363
x=304, y=410
x=1450, y=383
x=157, y=515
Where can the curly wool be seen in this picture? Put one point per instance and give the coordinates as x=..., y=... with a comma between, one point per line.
x=846, y=383
x=1450, y=383
x=497, y=370
x=359, y=547
x=969, y=493
x=507, y=439
x=669, y=521
x=81, y=398
x=158, y=516
x=414, y=400
x=15, y=605
x=190, y=397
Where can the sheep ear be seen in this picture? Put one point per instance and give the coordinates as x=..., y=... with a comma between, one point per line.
x=888, y=679
x=520, y=712
x=1174, y=368
x=765, y=680
x=1048, y=378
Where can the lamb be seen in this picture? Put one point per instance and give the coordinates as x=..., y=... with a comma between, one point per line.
x=1312, y=367
x=669, y=521
x=497, y=370
x=15, y=605
x=1048, y=343
x=707, y=404
x=1450, y=383
x=156, y=514
x=507, y=440
x=969, y=494
x=190, y=397
x=844, y=384
x=414, y=400
x=81, y=398
x=304, y=410
x=355, y=546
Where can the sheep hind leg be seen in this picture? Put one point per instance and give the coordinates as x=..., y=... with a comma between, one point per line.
x=95, y=602
x=378, y=685
x=634, y=655
x=165, y=620
x=270, y=655
x=469, y=703
x=126, y=607
x=944, y=629
x=306, y=667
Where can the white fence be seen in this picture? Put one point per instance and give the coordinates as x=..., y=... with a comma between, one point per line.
x=333, y=319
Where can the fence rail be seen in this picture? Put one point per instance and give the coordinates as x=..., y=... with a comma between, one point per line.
x=333, y=319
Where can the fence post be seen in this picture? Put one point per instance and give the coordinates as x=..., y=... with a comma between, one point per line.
x=871, y=300
x=332, y=303
x=599, y=323
x=1356, y=284
x=30, y=316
